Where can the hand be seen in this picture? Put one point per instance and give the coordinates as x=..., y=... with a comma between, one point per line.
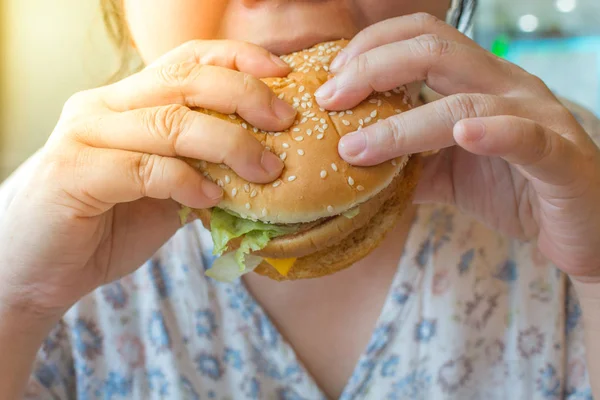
x=513, y=155
x=104, y=193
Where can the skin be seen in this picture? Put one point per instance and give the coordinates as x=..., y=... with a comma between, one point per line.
x=103, y=190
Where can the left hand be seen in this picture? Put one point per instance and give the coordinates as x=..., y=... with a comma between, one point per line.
x=513, y=155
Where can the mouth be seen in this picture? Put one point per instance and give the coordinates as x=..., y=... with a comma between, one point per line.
x=290, y=45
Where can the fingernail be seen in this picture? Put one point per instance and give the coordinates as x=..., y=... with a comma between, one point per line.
x=271, y=163
x=211, y=190
x=353, y=144
x=339, y=61
x=279, y=61
x=327, y=91
x=283, y=110
x=471, y=130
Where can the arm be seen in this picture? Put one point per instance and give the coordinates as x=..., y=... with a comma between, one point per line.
x=21, y=335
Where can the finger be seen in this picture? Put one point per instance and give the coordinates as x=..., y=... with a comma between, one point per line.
x=203, y=86
x=425, y=128
x=178, y=131
x=398, y=29
x=105, y=177
x=540, y=152
x=236, y=55
x=438, y=62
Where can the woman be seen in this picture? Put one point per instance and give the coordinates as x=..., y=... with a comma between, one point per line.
x=471, y=299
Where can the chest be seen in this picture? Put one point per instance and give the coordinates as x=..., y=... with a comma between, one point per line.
x=329, y=321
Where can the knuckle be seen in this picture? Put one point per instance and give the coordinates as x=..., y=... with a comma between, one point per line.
x=462, y=106
x=144, y=167
x=543, y=145
x=363, y=65
x=167, y=123
x=75, y=103
x=426, y=20
x=180, y=74
x=431, y=45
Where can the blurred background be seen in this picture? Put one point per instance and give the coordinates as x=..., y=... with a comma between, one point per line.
x=50, y=49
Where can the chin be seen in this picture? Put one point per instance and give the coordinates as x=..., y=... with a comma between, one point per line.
x=322, y=215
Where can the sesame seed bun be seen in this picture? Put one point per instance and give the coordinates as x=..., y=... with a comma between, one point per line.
x=316, y=182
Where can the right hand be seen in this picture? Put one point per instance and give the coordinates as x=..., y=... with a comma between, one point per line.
x=104, y=192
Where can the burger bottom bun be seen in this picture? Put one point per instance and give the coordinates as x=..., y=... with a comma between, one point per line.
x=361, y=242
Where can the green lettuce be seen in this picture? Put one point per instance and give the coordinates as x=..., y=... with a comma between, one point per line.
x=225, y=226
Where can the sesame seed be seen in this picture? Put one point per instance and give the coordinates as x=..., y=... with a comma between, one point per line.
x=342, y=114
x=303, y=104
x=346, y=122
x=322, y=120
x=300, y=152
x=247, y=188
x=231, y=116
x=268, y=148
x=310, y=104
x=292, y=178
x=374, y=114
x=296, y=129
x=255, y=130
x=368, y=119
x=360, y=188
x=301, y=89
x=334, y=167
x=309, y=132
x=349, y=112
x=379, y=103
x=296, y=100
x=305, y=113
x=330, y=209
x=281, y=96
x=283, y=156
x=253, y=194
x=220, y=183
x=317, y=68
x=361, y=122
x=247, y=206
x=319, y=136
x=293, y=85
x=234, y=192
x=333, y=113
x=394, y=163
x=203, y=164
x=227, y=179
x=315, y=119
x=373, y=101
x=398, y=111
x=350, y=181
x=276, y=183
x=388, y=94
x=304, y=120
x=264, y=212
x=277, y=134
x=323, y=174
x=299, y=138
x=326, y=68
x=396, y=90
x=244, y=125
x=321, y=109
x=325, y=126
x=286, y=146
x=223, y=166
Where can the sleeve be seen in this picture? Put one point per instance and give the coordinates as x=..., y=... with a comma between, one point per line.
x=53, y=373
x=577, y=386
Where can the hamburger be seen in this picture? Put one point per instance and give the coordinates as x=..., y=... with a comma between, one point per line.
x=322, y=214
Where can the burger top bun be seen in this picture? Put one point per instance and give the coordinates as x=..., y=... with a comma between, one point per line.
x=315, y=183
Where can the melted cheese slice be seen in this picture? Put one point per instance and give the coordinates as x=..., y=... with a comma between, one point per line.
x=282, y=265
